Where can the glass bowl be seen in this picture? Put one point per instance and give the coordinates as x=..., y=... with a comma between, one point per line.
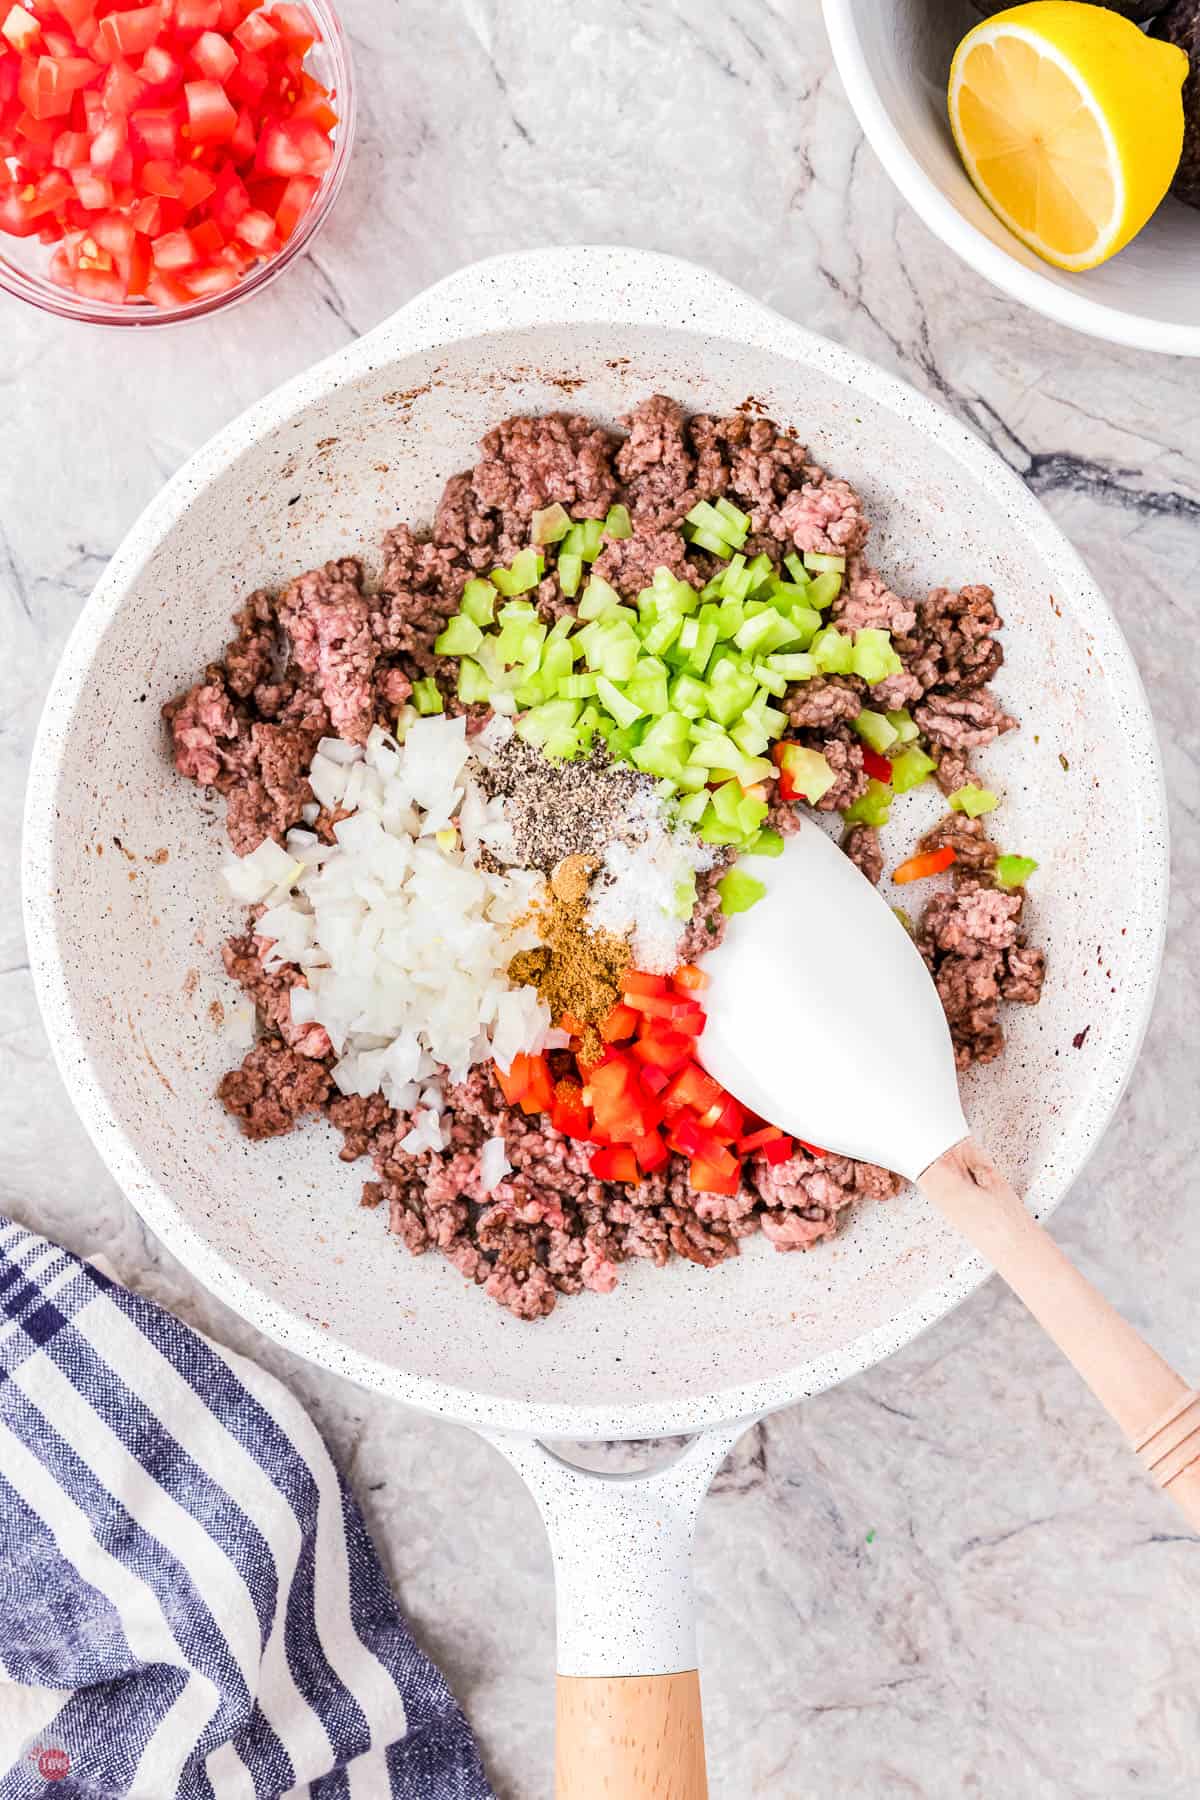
x=23, y=261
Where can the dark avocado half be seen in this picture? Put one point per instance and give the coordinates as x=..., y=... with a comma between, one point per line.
x=1180, y=24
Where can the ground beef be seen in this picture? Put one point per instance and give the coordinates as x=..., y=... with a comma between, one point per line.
x=965, y=723
x=274, y=1087
x=966, y=837
x=827, y=700
x=332, y=654
x=971, y=940
x=862, y=846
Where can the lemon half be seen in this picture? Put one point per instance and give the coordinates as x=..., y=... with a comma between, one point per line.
x=1070, y=124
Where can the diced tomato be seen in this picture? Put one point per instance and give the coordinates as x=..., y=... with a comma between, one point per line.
x=114, y=233
x=122, y=89
x=207, y=236
x=288, y=149
x=242, y=143
x=39, y=91
x=256, y=33
x=95, y=191
x=692, y=1087
x=196, y=15
x=708, y=1178
x=161, y=70
x=210, y=117
x=876, y=766
x=146, y=217
x=688, y=979
x=107, y=145
x=613, y=1162
x=250, y=80
x=651, y=1152
x=175, y=250
x=159, y=177
x=138, y=267
x=214, y=56
x=620, y=1023
x=167, y=292
x=295, y=26
x=76, y=12
x=230, y=201
x=298, y=196
x=130, y=33
x=21, y=29
x=16, y=216
x=100, y=284
x=154, y=131
x=635, y=982
x=197, y=186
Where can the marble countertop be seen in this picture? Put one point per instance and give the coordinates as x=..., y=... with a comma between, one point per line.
x=943, y=1578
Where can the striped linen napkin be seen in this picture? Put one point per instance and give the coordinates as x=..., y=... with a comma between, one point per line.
x=189, y=1602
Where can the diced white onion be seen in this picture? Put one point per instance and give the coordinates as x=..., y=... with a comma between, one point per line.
x=493, y=1164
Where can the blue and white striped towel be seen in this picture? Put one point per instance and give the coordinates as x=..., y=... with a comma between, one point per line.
x=189, y=1602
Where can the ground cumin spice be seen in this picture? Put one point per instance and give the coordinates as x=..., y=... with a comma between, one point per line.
x=577, y=971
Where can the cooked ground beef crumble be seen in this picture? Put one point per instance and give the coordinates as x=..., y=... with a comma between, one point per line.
x=330, y=656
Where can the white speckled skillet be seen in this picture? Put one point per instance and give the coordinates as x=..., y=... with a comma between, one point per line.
x=125, y=912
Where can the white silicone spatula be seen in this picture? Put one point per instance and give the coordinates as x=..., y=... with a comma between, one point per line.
x=794, y=987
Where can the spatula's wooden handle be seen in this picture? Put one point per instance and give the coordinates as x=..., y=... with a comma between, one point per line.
x=1154, y=1407
x=630, y=1737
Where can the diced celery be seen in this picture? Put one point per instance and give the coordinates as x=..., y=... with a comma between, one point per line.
x=730, y=618
x=674, y=588
x=739, y=891
x=661, y=635
x=832, y=653
x=533, y=690
x=712, y=831
x=769, y=717
x=558, y=657
x=706, y=643
x=911, y=768
x=577, y=687
x=521, y=641
x=756, y=631
x=586, y=723
x=716, y=751
x=692, y=779
x=671, y=730
x=623, y=709
x=692, y=807
x=749, y=736
x=523, y=573
x=771, y=679
x=479, y=602
x=806, y=625
x=551, y=721
x=734, y=582
x=517, y=612
x=725, y=802
x=622, y=740
x=653, y=759
x=765, y=843
x=598, y=597
x=730, y=698
x=761, y=570
x=649, y=692
x=974, y=801
x=904, y=725
x=796, y=569
x=795, y=665
x=570, y=572
x=874, y=729
x=550, y=525
x=808, y=772
x=751, y=769
x=1013, y=871
x=786, y=596
x=618, y=524
x=684, y=898
x=750, y=814
x=562, y=745
x=572, y=544
x=460, y=637
x=729, y=512
x=474, y=683
x=873, y=657
x=712, y=522
x=872, y=807
x=591, y=538
x=823, y=590
x=427, y=696
x=689, y=696
x=708, y=540
x=611, y=649
x=819, y=564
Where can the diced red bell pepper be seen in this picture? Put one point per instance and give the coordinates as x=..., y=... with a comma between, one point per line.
x=514, y=1080
x=877, y=767
x=663, y=1049
x=724, y=1118
x=689, y=979
x=692, y=1087
x=613, y=1162
x=932, y=862
x=685, y=1135
x=813, y=1149
x=620, y=1023
x=568, y=1114
x=758, y=1140
x=651, y=1152
x=635, y=982
x=707, y=1178
x=655, y=1080
x=693, y=1023
x=539, y=1087
x=661, y=1006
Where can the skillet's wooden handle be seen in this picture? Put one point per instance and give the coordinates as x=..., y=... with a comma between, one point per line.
x=1154, y=1407
x=630, y=1737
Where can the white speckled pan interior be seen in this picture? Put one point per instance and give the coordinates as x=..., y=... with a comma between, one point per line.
x=126, y=912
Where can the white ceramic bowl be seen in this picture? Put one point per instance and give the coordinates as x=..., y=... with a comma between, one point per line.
x=894, y=60
x=126, y=912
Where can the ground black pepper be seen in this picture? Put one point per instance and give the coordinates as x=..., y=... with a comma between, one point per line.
x=558, y=809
